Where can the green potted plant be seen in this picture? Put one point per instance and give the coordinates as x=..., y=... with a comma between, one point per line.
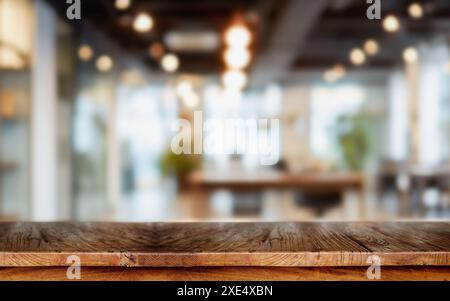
x=353, y=139
x=179, y=166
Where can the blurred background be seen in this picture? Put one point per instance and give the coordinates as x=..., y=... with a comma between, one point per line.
x=87, y=106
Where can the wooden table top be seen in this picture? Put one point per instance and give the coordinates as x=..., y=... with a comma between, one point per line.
x=225, y=244
x=416, y=170
x=276, y=179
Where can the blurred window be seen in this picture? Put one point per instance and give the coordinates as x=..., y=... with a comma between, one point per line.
x=327, y=105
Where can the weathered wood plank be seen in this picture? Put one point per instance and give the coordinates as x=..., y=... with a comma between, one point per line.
x=226, y=274
x=225, y=244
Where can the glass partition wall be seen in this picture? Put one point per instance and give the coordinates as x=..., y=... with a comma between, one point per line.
x=15, y=81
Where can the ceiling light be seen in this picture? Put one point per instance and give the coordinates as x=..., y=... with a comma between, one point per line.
x=156, y=50
x=122, y=4
x=415, y=10
x=143, y=22
x=237, y=58
x=104, y=63
x=410, y=55
x=184, y=88
x=371, y=47
x=334, y=74
x=238, y=36
x=339, y=70
x=391, y=24
x=357, y=57
x=131, y=77
x=191, y=100
x=192, y=40
x=234, y=80
x=330, y=77
x=170, y=63
x=85, y=52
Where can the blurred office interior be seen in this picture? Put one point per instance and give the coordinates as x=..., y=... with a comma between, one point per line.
x=87, y=108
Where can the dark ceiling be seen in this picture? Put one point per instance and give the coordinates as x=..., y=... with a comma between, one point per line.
x=338, y=31
x=214, y=15
x=339, y=26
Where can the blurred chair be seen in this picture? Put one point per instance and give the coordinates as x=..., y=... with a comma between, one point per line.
x=319, y=202
x=392, y=179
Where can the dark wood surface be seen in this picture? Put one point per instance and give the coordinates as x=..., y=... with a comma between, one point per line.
x=419, y=273
x=225, y=244
x=336, y=181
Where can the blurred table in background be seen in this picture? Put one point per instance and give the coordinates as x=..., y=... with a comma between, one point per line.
x=310, y=184
x=317, y=182
x=410, y=183
x=5, y=167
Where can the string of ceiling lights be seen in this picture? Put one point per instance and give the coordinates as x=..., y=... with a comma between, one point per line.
x=358, y=56
x=237, y=56
x=142, y=23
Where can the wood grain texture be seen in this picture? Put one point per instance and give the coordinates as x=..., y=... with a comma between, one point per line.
x=224, y=244
x=226, y=274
